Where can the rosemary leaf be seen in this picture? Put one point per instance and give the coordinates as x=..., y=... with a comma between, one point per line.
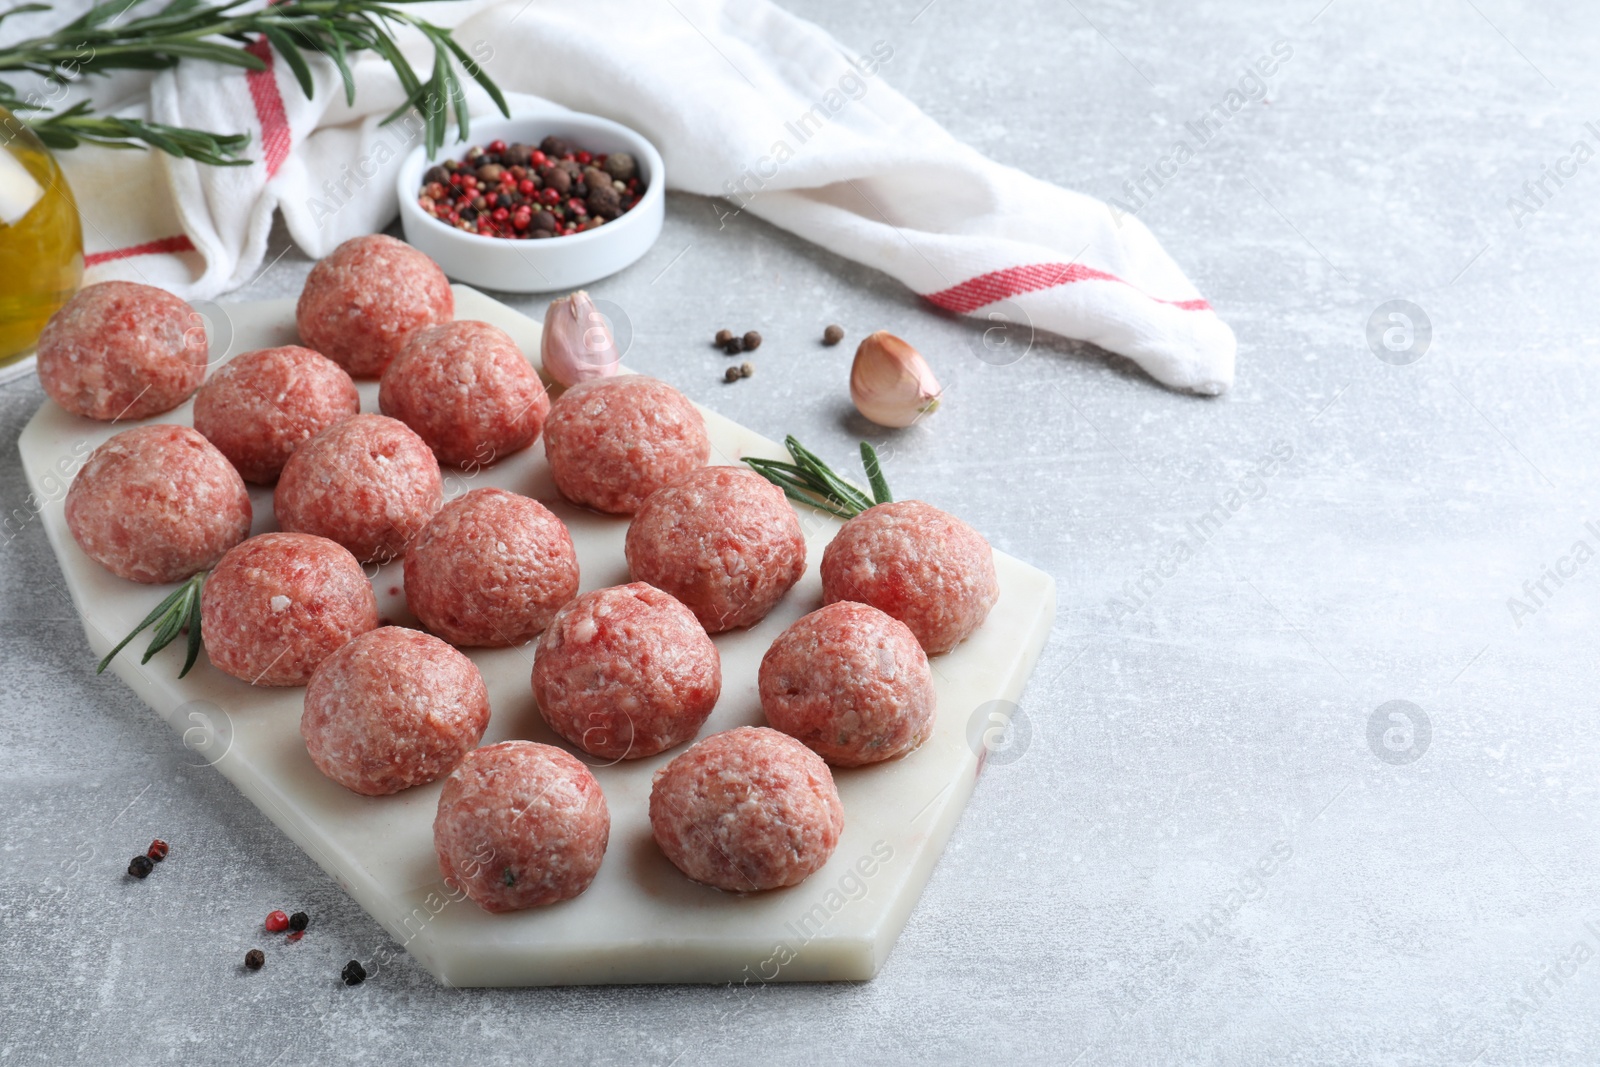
x=285, y=47
x=193, y=652
x=23, y=9
x=880, y=486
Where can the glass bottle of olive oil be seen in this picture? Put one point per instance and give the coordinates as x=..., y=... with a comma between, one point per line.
x=41, y=241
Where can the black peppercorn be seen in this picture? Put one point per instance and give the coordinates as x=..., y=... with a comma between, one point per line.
x=254, y=959
x=620, y=166
x=353, y=973
x=752, y=341
x=299, y=921
x=733, y=346
x=141, y=866
x=604, y=202
x=731, y=374
x=833, y=335
x=557, y=179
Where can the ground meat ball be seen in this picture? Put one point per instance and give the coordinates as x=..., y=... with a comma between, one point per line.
x=521, y=825
x=369, y=483
x=468, y=391
x=491, y=569
x=157, y=504
x=747, y=809
x=362, y=302
x=928, y=569
x=626, y=672
x=392, y=709
x=722, y=540
x=259, y=406
x=851, y=683
x=280, y=604
x=613, y=441
x=120, y=350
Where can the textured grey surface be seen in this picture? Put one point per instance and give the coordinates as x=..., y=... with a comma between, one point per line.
x=1103, y=896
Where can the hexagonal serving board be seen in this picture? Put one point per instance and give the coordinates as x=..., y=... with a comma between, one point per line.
x=641, y=920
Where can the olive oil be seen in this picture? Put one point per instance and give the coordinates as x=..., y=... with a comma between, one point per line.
x=41, y=240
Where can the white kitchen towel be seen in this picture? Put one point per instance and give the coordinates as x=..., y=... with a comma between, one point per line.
x=745, y=101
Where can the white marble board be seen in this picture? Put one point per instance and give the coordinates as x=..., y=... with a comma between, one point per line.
x=641, y=920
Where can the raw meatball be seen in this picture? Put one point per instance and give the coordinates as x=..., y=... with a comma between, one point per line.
x=363, y=301
x=928, y=569
x=851, y=683
x=156, y=504
x=280, y=604
x=521, y=825
x=120, y=350
x=722, y=540
x=626, y=672
x=468, y=391
x=260, y=405
x=392, y=709
x=490, y=569
x=613, y=441
x=746, y=809
x=369, y=483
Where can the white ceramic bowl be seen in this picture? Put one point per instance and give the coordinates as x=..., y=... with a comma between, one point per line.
x=554, y=263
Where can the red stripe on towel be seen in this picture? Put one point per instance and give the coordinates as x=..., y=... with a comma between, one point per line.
x=180, y=243
x=263, y=84
x=974, y=293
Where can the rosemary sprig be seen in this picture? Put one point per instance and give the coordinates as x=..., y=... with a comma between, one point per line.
x=810, y=481
x=77, y=125
x=180, y=609
x=99, y=42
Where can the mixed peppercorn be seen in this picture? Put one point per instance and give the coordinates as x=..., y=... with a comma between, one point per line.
x=521, y=192
x=276, y=922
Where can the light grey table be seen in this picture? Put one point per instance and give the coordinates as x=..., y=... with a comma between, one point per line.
x=1217, y=844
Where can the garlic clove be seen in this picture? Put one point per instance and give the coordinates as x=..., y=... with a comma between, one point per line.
x=577, y=344
x=891, y=383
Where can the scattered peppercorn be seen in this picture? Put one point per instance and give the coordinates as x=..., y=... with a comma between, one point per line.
x=723, y=337
x=731, y=374
x=752, y=341
x=254, y=959
x=746, y=369
x=277, y=922
x=833, y=335
x=158, y=850
x=353, y=973
x=298, y=921
x=734, y=346
x=141, y=866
